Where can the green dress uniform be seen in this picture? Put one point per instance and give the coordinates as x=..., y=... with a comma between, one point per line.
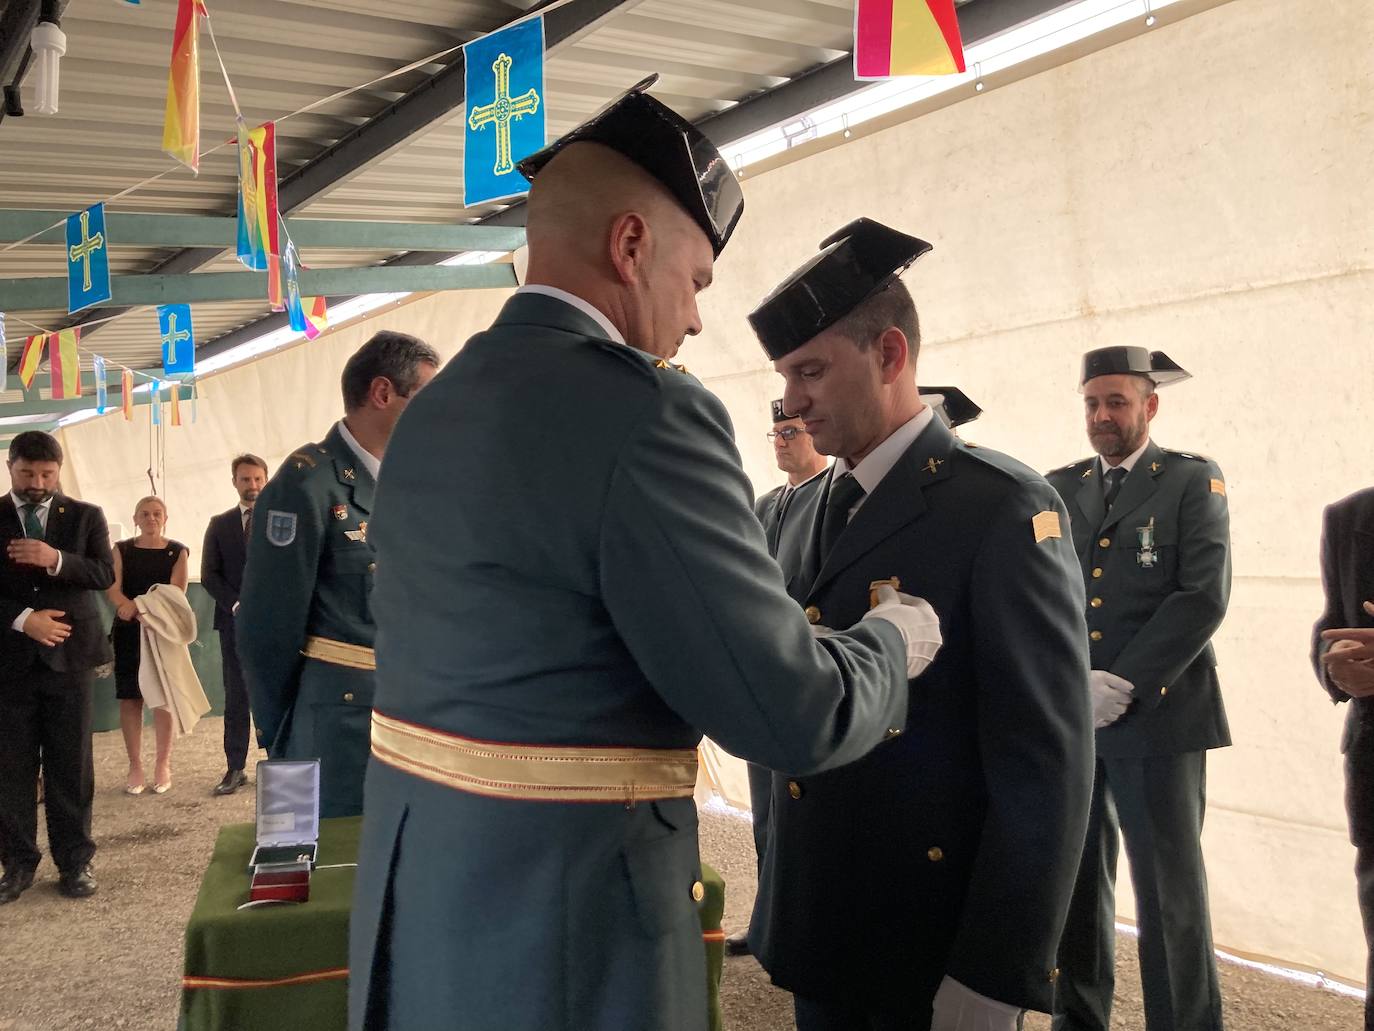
x=603, y=596
x=305, y=629
x=951, y=849
x=1157, y=572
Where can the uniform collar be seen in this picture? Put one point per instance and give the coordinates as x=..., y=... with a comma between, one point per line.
x=879, y=462
x=1127, y=463
x=371, y=462
x=585, y=307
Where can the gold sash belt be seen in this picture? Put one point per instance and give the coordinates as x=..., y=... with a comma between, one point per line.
x=337, y=653
x=542, y=773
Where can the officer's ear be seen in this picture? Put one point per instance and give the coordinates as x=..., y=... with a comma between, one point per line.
x=1151, y=406
x=628, y=244
x=380, y=392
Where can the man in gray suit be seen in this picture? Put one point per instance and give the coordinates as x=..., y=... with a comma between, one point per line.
x=529, y=850
x=1152, y=532
x=805, y=468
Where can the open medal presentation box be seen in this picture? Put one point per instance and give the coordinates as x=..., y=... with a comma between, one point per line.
x=288, y=830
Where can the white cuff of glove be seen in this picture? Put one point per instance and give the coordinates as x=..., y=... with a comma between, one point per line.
x=960, y=1008
x=918, y=623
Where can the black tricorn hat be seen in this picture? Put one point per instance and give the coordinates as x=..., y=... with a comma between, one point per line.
x=668, y=147
x=778, y=414
x=952, y=406
x=853, y=265
x=1132, y=360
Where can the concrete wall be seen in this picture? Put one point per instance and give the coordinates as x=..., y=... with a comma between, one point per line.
x=1202, y=188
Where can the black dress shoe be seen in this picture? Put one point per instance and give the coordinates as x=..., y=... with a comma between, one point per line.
x=14, y=884
x=738, y=944
x=77, y=884
x=233, y=780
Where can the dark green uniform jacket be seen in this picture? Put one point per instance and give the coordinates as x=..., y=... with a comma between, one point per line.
x=1157, y=569
x=952, y=848
x=309, y=573
x=567, y=555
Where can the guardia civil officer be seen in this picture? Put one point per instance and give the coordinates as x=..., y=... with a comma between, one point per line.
x=925, y=885
x=1151, y=530
x=797, y=457
x=603, y=595
x=304, y=620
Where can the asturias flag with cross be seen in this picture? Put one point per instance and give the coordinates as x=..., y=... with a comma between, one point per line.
x=504, y=77
x=178, y=339
x=88, y=259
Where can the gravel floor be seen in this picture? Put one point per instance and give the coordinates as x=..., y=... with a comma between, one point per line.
x=114, y=961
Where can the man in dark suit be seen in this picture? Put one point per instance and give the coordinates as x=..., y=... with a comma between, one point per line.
x=1152, y=534
x=1348, y=579
x=221, y=573
x=925, y=885
x=804, y=466
x=305, y=628
x=56, y=557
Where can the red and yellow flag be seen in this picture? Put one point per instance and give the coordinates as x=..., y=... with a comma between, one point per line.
x=316, y=316
x=906, y=37
x=30, y=358
x=181, y=123
x=64, y=363
x=126, y=394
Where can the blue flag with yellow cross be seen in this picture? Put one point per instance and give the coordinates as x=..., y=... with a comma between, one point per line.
x=504, y=112
x=88, y=259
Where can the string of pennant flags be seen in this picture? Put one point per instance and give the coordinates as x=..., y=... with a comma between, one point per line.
x=263, y=244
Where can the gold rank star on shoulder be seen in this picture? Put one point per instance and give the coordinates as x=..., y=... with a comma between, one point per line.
x=663, y=363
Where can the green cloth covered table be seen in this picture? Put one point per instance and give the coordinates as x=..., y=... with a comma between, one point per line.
x=286, y=966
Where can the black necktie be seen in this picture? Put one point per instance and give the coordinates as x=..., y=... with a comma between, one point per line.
x=1115, y=477
x=845, y=493
x=247, y=523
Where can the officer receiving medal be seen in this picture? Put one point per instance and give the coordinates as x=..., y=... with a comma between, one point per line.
x=304, y=620
x=924, y=885
x=1151, y=530
x=568, y=565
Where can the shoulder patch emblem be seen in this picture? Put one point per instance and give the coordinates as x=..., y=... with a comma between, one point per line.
x=281, y=528
x=1045, y=526
x=1218, y=486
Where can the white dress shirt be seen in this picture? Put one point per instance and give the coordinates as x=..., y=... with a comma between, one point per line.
x=1127, y=463
x=42, y=513
x=585, y=307
x=879, y=462
x=371, y=462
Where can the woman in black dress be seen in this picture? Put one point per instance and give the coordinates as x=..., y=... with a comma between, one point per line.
x=139, y=563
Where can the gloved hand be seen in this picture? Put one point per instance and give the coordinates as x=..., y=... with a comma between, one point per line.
x=1111, y=697
x=917, y=621
x=958, y=1008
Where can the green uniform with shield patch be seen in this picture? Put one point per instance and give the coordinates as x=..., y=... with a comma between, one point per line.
x=305, y=627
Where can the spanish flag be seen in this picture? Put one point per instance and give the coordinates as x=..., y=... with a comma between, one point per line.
x=30, y=358
x=64, y=362
x=126, y=394
x=906, y=37
x=181, y=122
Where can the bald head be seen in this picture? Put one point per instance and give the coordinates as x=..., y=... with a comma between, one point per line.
x=600, y=227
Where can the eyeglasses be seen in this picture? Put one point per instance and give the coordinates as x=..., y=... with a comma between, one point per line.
x=787, y=433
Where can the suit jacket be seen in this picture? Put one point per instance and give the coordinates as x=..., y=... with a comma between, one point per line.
x=1347, y=552
x=952, y=848
x=1157, y=570
x=309, y=573
x=772, y=510
x=222, y=563
x=79, y=531
x=567, y=554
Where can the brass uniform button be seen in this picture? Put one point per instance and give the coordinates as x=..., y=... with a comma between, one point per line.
x=813, y=614
x=372, y=567
x=698, y=891
x=1097, y=573
x=348, y=696
x=935, y=854
x=1105, y=542
x=893, y=731
x=1096, y=635
x=1096, y=603
x=794, y=789
x=1054, y=975
x=1163, y=691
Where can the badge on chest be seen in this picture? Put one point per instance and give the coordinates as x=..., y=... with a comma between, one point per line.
x=1147, y=555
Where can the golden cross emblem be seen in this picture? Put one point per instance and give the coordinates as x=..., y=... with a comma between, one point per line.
x=1155, y=467
x=82, y=251
x=932, y=464
x=501, y=111
x=173, y=335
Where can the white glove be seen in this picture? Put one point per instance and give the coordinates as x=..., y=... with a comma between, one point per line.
x=918, y=623
x=1111, y=697
x=957, y=1008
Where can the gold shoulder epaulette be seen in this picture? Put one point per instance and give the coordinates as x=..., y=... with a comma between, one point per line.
x=302, y=459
